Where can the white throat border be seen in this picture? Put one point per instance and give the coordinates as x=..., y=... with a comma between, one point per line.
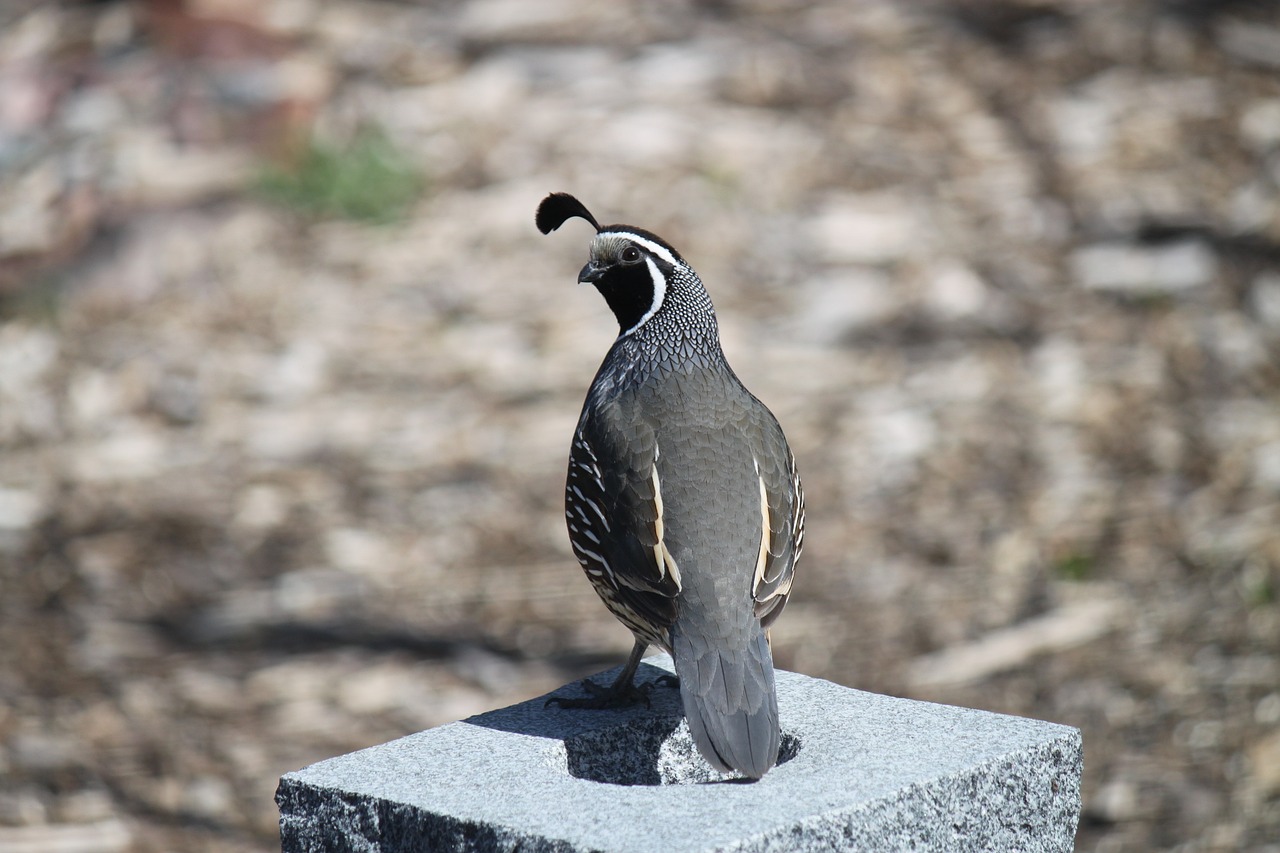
x=659, y=280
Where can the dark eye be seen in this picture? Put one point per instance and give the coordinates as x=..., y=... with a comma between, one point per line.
x=630, y=255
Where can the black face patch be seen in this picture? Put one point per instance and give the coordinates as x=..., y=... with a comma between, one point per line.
x=630, y=291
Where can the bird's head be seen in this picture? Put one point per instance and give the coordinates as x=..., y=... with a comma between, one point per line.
x=635, y=270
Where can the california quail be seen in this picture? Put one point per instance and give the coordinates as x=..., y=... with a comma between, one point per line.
x=683, y=503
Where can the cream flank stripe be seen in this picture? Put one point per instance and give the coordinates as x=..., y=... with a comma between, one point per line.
x=766, y=531
x=661, y=554
x=763, y=556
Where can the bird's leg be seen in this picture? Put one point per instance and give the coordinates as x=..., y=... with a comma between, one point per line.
x=622, y=692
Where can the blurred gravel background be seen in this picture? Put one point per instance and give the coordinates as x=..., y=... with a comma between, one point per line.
x=287, y=377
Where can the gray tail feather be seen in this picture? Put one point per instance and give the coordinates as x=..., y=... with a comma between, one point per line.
x=730, y=702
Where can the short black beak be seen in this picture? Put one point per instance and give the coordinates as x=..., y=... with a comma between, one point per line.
x=591, y=272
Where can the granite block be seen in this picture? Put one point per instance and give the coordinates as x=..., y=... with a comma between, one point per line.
x=857, y=771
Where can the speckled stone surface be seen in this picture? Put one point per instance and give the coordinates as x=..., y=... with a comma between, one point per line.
x=859, y=771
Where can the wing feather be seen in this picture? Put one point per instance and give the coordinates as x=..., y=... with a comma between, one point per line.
x=782, y=530
x=614, y=484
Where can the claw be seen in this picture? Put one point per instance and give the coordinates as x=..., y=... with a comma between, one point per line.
x=601, y=698
x=623, y=692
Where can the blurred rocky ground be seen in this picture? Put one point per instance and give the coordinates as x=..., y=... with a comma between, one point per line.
x=287, y=376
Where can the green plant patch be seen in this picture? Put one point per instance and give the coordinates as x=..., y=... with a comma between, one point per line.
x=1075, y=567
x=367, y=180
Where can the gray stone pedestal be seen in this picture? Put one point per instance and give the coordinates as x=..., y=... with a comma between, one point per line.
x=858, y=771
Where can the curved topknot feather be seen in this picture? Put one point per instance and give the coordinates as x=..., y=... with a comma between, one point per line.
x=559, y=207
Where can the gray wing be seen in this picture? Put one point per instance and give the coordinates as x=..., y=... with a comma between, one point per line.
x=614, y=508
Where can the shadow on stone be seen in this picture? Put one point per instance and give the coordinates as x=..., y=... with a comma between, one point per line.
x=625, y=746
x=656, y=751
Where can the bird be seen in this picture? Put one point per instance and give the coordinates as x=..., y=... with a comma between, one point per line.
x=682, y=499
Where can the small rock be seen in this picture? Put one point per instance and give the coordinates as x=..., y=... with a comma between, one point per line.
x=1264, y=297
x=43, y=753
x=19, y=509
x=357, y=551
x=94, y=397
x=88, y=806
x=1240, y=423
x=33, y=36
x=1250, y=42
x=1264, y=760
x=896, y=431
x=23, y=807
x=1062, y=376
x=1083, y=127
x=177, y=398
x=955, y=292
x=379, y=689
x=208, y=796
x=26, y=353
x=282, y=435
x=26, y=100
x=649, y=137
x=290, y=17
x=297, y=374
x=316, y=593
x=1017, y=565
x=964, y=378
x=28, y=214
x=104, y=836
x=502, y=21
x=844, y=301
x=1115, y=801
x=291, y=681
x=490, y=671
x=114, y=29
x=261, y=508
x=297, y=80
x=1227, y=835
x=208, y=692
x=866, y=229
x=1125, y=269
x=1253, y=206
x=129, y=455
x=1260, y=124
x=1205, y=734
x=779, y=74
x=1267, y=711
x=152, y=169
x=106, y=643
x=1237, y=343
x=1266, y=466
x=93, y=111
x=685, y=71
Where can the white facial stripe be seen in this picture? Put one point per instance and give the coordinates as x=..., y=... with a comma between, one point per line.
x=657, y=249
x=659, y=294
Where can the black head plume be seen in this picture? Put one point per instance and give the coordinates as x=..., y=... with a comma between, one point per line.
x=558, y=207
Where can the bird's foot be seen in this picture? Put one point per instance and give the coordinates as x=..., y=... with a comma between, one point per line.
x=614, y=696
